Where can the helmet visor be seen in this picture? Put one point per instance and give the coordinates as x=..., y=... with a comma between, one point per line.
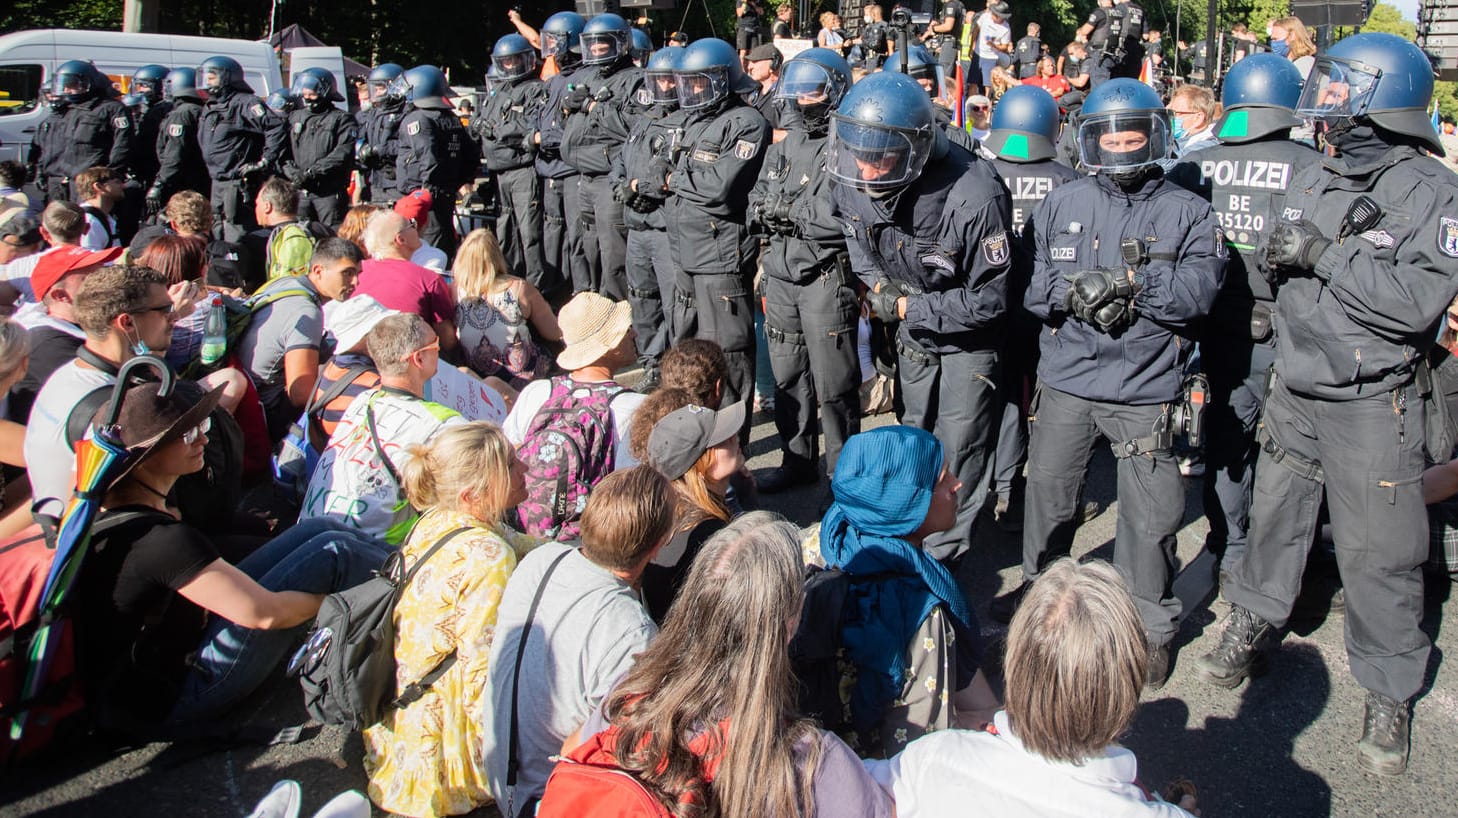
x=554, y=44
x=1124, y=141
x=809, y=83
x=1338, y=89
x=212, y=78
x=515, y=66
x=400, y=88
x=876, y=157
x=307, y=86
x=70, y=83
x=144, y=87
x=601, y=47
x=663, y=87
x=700, y=89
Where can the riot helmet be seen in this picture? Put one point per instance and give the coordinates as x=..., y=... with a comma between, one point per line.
x=282, y=102
x=708, y=73
x=1259, y=95
x=75, y=81
x=559, y=36
x=148, y=81
x=604, y=39
x=222, y=75
x=883, y=133
x=424, y=86
x=513, y=58
x=380, y=80
x=641, y=47
x=658, y=75
x=181, y=83
x=314, y=89
x=1024, y=125
x=1380, y=78
x=1123, y=130
x=921, y=66
x=815, y=81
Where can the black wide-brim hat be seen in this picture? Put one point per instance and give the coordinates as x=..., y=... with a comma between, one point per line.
x=149, y=420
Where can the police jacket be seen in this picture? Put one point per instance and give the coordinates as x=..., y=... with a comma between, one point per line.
x=506, y=122
x=1126, y=34
x=97, y=132
x=810, y=240
x=237, y=129
x=723, y=148
x=550, y=164
x=48, y=148
x=1028, y=183
x=149, y=129
x=655, y=135
x=1357, y=326
x=322, y=146
x=179, y=157
x=1079, y=227
x=946, y=234
x=382, y=133
x=592, y=137
x=436, y=153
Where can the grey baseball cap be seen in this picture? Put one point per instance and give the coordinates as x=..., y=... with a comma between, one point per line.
x=683, y=435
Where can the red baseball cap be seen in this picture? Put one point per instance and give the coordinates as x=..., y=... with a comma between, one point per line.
x=415, y=206
x=68, y=258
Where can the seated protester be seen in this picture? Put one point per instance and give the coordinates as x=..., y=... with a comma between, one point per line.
x=425, y=758
x=415, y=206
x=1049, y=79
x=20, y=237
x=101, y=191
x=355, y=222
x=1076, y=661
x=349, y=322
x=697, y=365
x=493, y=308
x=892, y=490
x=730, y=686
x=14, y=488
x=169, y=634
x=182, y=260
x=588, y=625
x=280, y=350
x=394, y=280
x=358, y=479
x=188, y=213
x=61, y=224
x=282, y=246
x=697, y=449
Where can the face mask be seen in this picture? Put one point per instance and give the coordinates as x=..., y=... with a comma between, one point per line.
x=1280, y=48
x=1177, y=128
x=318, y=104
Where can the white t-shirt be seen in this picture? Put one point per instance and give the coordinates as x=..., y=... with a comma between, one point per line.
x=535, y=394
x=18, y=272
x=97, y=236
x=430, y=258
x=941, y=773
x=49, y=461
x=990, y=31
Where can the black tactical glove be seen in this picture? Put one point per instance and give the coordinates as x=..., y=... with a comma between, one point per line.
x=1295, y=245
x=294, y=174
x=883, y=299
x=654, y=183
x=368, y=156
x=252, y=169
x=575, y=99
x=1102, y=298
x=154, y=201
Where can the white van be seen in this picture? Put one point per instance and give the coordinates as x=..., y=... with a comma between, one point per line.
x=29, y=58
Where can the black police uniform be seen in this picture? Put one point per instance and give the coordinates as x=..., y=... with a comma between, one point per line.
x=1243, y=182
x=874, y=37
x=747, y=26
x=951, y=41
x=1120, y=385
x=591, y=138
x=94, y=132
x=322, y=146
x=1114, y=45
x=240, y=139
x=1344, y=415
x=722, y=150
x=504, y=127
x=149, y=130
x=48, y=157
x=438, y=155
x=811, y=308
x=561, y=242
x=946, y=235
x=180, y=163
x=381, y=147
x=1027, y=52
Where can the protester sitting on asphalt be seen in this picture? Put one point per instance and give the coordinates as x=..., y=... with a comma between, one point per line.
x=355, y=222
x=424, y=759
x=501, y=318
x=416, y=207
x=394, y=280
x=697, y=365
x=14, y=487
x=169, y=634
x=913, y=642
x=61, y=224
x=349, y=322
x=588, y=625
x=180, y=260
x=718, y=676
x=1075, y=664
x=20, y=239
x=358, y=478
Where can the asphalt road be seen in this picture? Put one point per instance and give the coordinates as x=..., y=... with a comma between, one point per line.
x=1282, y=745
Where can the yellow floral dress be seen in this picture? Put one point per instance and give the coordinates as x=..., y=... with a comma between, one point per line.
x=425, y=760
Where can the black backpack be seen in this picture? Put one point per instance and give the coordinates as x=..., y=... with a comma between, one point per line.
x=347, y=665
x=815, y=648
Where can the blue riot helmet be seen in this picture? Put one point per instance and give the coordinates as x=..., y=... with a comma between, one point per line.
x=148, y=81
x=513, y=58
x=1381, y=78
x=1259, y=94
x=314, y=88
x=641, y=47
x=281, y=102
x=1123, y=129
x=181, y=83
x=815, y=81
x=222, y=74
x=920, y=66
x=658, y=75
x=604, y=39
x=883, y=133
x=1024, y=125
x=381, y=78
x=708, y=73
x=425, y=86
x=559, y=36
x=75, y=81
x=134, y=102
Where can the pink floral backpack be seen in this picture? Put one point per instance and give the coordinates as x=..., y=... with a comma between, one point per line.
x=567, y=449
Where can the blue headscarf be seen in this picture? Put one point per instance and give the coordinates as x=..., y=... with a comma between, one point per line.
x=883, y=487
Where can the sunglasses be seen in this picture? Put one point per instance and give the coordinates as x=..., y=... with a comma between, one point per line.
x=190, y=436
x=981, y=108
x=165, y=309
x=309, y=655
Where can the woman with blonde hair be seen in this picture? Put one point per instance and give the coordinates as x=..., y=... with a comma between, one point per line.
x=424, y=757
x=1300, y=48
x=498, y=315
x=355, y=221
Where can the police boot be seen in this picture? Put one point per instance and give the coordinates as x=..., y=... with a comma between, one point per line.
x=1386, y=730
x=1158, y=667
x=1239, y=650
x=783, y=478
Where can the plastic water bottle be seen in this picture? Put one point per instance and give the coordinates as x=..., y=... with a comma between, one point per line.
x=215, y=332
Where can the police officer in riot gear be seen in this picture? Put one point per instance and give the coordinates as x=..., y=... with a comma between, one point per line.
x=436, y=152
x=321, y=140
x=504, y=128
x=241, y=141
x=721, y=151
x=916, y=62
x=926, y=224
x=600, y=109
x=560, y=240
x=1021, y=146
x=180, y=163
x=811, y=307
x=1243, y=178
x=638, y=180
x=147, y=84
x=1115, y=33
x=88, y=127
x=1124, y=264
x=1365, y=260
x=381, y=131
x=641, y=48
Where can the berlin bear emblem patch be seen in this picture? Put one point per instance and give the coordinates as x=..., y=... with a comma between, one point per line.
x=1448, y=236
x=174, y=130
x=995, y=249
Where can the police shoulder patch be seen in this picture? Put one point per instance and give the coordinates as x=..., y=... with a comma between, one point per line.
x=1448, y=236
x=299, y=126
x=744, y=149
x=701, y=155
x=174, y=130
x=644, y=97
x=413, y=128
x=995, y=249
x=121, y=122
x=256, y=109
x=939, y=261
